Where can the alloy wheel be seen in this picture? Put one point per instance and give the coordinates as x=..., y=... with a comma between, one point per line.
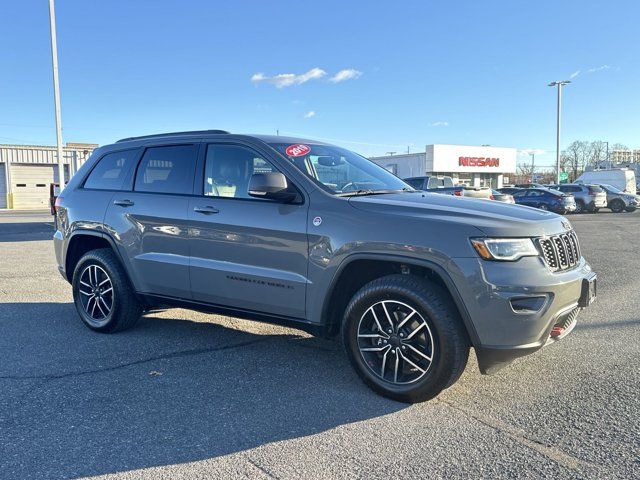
x=96, y=294
x=395, y=342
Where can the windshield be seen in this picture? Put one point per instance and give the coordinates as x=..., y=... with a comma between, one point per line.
x=611, y=188
x=340, y=171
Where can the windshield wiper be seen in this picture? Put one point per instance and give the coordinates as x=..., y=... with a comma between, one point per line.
x=368, y=191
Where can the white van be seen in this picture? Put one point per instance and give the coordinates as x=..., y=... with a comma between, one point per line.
x=621, y=178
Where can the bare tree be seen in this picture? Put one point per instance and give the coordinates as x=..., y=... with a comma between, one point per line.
x=524, y=173
x=597, y=153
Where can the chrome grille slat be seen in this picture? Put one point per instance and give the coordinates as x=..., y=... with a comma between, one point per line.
x=560, y=252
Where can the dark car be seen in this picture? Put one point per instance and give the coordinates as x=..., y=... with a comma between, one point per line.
x=319, y=238
x=545, y=199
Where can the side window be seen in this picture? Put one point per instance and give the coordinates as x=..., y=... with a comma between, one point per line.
x=167, y=170
x=433, y=182
x=111, y=170
x=228, y=169
x=519, y=194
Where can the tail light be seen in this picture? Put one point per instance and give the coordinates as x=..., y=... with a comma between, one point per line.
x=491, y=197
x=56, y=205
x=457, y=193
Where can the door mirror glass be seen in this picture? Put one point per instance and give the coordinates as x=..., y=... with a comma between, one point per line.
x=272, y=185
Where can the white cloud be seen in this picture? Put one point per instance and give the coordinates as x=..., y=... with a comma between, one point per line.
x=590, y=70
x=599, y=69
x=309, y=114
x=287, y=79
x=439, y=124
x=528, y=151
x=346, y=74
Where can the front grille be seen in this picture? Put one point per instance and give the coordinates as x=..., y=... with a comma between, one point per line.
x=560, y=252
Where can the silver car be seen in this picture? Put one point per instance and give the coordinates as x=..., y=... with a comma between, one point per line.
x=619, y=201
x=589, y=198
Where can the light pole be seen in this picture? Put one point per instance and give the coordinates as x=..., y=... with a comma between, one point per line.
x=559, y=84
x=56, y=93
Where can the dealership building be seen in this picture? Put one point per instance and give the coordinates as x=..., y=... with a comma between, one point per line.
x=483, y=166
x=26, y=171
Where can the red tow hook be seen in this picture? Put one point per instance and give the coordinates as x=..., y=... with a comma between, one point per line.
x=556, y=331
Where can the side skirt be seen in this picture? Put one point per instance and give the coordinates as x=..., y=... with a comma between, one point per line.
x=154, y=302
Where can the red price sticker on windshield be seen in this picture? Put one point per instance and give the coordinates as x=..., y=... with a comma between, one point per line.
x=297, y=150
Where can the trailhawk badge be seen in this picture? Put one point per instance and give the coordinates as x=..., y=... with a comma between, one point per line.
x=317, y=221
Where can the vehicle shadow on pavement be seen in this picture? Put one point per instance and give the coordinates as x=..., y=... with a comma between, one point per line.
x=78, y=403
x=25, y=231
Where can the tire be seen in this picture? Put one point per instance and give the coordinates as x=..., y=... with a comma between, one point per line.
x=435, y=327
x=115, y=307
x=630, y=209
x=617, y=206
x=579, y=206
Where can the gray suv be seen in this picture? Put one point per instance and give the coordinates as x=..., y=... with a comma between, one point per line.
x=589, y=198
x=316, y=237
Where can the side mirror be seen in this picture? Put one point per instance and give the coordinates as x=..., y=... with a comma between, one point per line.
x=271, y=185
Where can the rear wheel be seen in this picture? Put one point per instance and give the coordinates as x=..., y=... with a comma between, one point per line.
x=102, y=294
x=579, y=206
x=404, y=337
x=617, y=206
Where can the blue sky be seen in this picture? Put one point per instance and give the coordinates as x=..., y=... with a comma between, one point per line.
x=413, y=73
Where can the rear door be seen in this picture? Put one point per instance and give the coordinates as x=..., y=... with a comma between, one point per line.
x=247, y=253
x=150, y=220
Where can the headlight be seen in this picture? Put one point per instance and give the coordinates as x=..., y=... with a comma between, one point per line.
x=505, y=249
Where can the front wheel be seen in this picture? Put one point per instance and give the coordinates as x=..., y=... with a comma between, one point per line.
x=579, y=206
x=617, y=206
x=404, y=337
x=102, y=293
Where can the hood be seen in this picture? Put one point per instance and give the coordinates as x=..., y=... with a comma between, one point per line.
x=494, y=219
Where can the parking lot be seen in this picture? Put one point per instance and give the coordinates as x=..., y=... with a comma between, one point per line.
x=190, y=395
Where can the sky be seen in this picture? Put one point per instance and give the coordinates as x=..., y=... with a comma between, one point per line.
x=371, y=76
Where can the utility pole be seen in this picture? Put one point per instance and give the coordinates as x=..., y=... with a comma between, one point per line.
x=533, y=166
x=559, y=84
x=56, y=93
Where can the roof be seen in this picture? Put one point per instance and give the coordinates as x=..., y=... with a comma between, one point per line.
x=222, y=133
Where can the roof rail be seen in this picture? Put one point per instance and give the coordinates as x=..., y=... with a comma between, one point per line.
x=171, y=134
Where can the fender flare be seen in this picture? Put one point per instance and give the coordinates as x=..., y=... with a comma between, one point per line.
x=431, y=265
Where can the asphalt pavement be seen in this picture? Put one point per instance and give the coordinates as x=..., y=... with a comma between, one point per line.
x=189, y=395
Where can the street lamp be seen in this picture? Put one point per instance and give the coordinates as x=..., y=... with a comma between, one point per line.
x=56, y=93
x=559, y=84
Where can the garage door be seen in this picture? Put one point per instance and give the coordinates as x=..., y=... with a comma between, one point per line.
x=3, y=187
x=30, y=185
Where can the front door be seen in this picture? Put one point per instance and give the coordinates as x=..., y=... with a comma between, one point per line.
x=247, y=253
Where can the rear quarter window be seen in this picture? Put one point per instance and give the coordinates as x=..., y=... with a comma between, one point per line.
x=111, y=171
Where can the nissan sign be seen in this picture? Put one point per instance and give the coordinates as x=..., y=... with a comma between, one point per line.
x=478, y=162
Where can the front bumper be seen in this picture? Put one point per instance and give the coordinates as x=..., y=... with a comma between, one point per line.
x=514, y=306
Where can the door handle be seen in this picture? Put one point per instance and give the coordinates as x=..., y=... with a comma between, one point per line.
x=123, y=203
x=206, y=210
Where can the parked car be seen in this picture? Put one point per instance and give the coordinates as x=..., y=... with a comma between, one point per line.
x=268, y=228
x=444, y=185
x=545, y=199
x=502, y=197
x=509, y=190
x=622, y=178
x=619, y=201
x=589, y=198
